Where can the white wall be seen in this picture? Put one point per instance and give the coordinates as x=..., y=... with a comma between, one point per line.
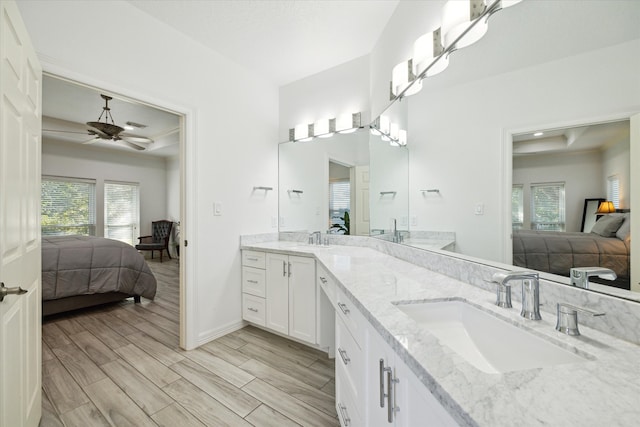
x=79, y=161
x=231, y=132
x=616, y=162
x=172, y=185
x=581, y=173
x=339, y=90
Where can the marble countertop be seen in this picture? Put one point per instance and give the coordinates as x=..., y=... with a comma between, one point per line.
x=602, y=390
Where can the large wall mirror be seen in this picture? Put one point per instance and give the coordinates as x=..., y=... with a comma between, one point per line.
x=355, y=173
x=473, y=127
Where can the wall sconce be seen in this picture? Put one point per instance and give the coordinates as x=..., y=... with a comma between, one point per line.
x=427, y=49
x=325, y=128
x=606, y=208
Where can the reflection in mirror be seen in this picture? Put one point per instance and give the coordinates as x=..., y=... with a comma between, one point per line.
x=540, y=62
x=304, y=182
x=554, y=172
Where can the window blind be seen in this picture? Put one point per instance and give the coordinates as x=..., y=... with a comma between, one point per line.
x=121, y=211
x=548, y=207
x=517, y=206
x=339, y=201
x=68, y=206
x=613, y=190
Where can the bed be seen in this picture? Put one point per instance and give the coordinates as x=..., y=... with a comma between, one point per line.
x=607, y=245
x=83, y=271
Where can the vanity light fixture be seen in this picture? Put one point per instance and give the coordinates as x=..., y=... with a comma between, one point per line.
x=606, y=207
x=325, y=128
x=457, y=16
x=402, y=137
x=427, y=49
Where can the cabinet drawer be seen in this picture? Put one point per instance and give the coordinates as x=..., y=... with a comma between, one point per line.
x=353, y=319
x=253, y=309
x=346, y=405
x=349, y=360
x=253, y=259
x=253, y=281
x=327, y=284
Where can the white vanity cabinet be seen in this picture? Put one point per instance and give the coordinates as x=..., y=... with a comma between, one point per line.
x=253, y=287
x=395, y=396
x=291, y=296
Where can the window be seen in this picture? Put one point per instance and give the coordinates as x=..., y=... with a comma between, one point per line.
x=517, y=206
x=121, y=211
x=613, y=190
x=339, y=203
x=68, y=206
x=547, y=207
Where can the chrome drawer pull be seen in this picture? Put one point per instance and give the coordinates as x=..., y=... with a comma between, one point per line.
x=255, y=310
x=382, y=371
x=252, y=259
x=284, y=269
x=343, y=355
x=289, y=269
x=344, y=308
x=344, y=415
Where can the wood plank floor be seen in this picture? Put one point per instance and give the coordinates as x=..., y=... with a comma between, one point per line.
x=120, y=365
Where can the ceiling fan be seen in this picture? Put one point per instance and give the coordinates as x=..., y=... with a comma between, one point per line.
x=103, y=130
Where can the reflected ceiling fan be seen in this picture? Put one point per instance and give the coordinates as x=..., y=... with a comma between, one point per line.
x=103, y=130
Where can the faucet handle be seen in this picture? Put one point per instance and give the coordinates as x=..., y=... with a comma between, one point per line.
x=568, y=317
x=503, y=295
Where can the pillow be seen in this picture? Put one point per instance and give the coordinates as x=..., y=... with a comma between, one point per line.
x=624, y=232
x=607, y=225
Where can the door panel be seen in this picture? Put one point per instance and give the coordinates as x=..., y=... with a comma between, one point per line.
x=20, y=258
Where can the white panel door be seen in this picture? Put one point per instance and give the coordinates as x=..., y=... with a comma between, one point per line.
x=277, y=284
x=361, y=219
x=302, y=298
x=20, y=321
x=635, y=202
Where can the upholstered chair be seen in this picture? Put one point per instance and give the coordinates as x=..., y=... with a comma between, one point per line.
x=159, y=239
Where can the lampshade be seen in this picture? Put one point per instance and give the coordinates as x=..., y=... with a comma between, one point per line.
x=322, y=128
x=301, y=132
x=385, y=124
x=425, y=50
x=457, y=16
x=402, y=137
x=606, y=208
x=507, y=3
x=401, y=77
x=393, y=131
x=347, y=123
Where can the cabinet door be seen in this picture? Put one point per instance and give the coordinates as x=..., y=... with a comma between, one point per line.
x=302, y=298
x=380, y=358
x=417, y=406
x=277, y=283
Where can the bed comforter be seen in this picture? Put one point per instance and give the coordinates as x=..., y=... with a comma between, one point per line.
x=84, y=265
x=557, y=252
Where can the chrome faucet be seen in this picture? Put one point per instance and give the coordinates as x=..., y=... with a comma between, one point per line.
x=315, y=238
x=568, y=318
x=580, y=275
x=530, y=292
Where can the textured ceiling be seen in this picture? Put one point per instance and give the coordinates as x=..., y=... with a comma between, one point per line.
x=284, y=40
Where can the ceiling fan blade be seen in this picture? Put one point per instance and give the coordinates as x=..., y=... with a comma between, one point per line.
x=132, y=145
x=136, y=139
x=63, y=131
x=92, y=141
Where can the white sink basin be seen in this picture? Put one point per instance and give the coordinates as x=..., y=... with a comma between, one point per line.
x=487, y=342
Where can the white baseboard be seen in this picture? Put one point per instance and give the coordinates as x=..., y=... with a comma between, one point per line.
x=219, y=332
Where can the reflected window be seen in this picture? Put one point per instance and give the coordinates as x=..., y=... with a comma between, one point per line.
x=548, y=207
x=340, y=206
x=613, y=190
x=517, y=206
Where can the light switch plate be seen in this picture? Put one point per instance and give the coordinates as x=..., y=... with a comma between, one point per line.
x=217, y=208
x=479, y=209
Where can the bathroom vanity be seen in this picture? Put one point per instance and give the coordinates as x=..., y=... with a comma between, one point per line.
x=395, y=367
